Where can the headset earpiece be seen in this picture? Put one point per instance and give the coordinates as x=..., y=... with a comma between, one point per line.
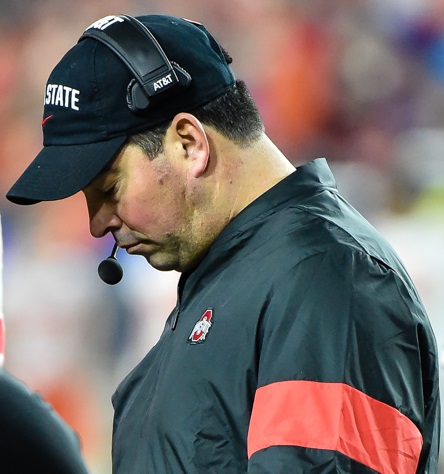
x=138, y=101
x=135, y=98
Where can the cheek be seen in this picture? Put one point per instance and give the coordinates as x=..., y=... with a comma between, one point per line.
x=137, y=214
x=152, y=199
x=152, y=213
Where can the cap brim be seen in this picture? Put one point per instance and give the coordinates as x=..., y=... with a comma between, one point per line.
x=60, y=171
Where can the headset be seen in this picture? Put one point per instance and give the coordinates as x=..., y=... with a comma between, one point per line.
x=155, y=76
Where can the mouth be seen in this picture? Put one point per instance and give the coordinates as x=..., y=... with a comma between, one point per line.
x=130, y=248
x=139, y=248
x=125, y=244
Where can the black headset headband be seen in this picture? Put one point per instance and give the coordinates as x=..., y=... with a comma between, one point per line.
x=136, y=46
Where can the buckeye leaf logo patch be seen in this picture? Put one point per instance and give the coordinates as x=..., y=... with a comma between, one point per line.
x=201, y=328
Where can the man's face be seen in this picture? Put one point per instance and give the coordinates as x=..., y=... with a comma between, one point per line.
x=143, y=203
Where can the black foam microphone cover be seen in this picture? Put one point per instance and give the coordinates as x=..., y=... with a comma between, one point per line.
x=110, y=270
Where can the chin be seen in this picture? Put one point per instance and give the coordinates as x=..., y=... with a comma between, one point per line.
x=163, y=264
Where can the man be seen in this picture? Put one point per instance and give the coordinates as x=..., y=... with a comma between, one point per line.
x=298, y=342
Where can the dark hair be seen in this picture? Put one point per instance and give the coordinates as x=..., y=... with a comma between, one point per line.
x=233, y=114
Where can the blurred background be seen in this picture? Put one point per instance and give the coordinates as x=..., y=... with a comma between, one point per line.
x=360, y=82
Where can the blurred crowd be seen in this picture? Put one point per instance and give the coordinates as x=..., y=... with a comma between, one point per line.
x=360, y=82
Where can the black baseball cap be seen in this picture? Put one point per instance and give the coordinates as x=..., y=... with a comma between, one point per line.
x=88, y=106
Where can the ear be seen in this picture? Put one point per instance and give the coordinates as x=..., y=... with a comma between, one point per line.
x=193, y=139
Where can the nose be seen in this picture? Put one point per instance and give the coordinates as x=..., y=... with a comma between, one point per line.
x=102, y=218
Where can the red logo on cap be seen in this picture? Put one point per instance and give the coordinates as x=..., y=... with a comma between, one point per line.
x=46, y=119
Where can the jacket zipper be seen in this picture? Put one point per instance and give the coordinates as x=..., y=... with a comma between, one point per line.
x=175, y=316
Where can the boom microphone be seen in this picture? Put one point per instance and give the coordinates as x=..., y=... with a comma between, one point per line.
x=110, y=270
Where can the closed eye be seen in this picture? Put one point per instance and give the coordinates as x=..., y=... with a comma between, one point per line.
x=110, y=192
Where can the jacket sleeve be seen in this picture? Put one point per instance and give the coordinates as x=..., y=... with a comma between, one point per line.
x=347, y=372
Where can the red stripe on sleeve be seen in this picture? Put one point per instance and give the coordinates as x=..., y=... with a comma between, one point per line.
x=334, y=416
